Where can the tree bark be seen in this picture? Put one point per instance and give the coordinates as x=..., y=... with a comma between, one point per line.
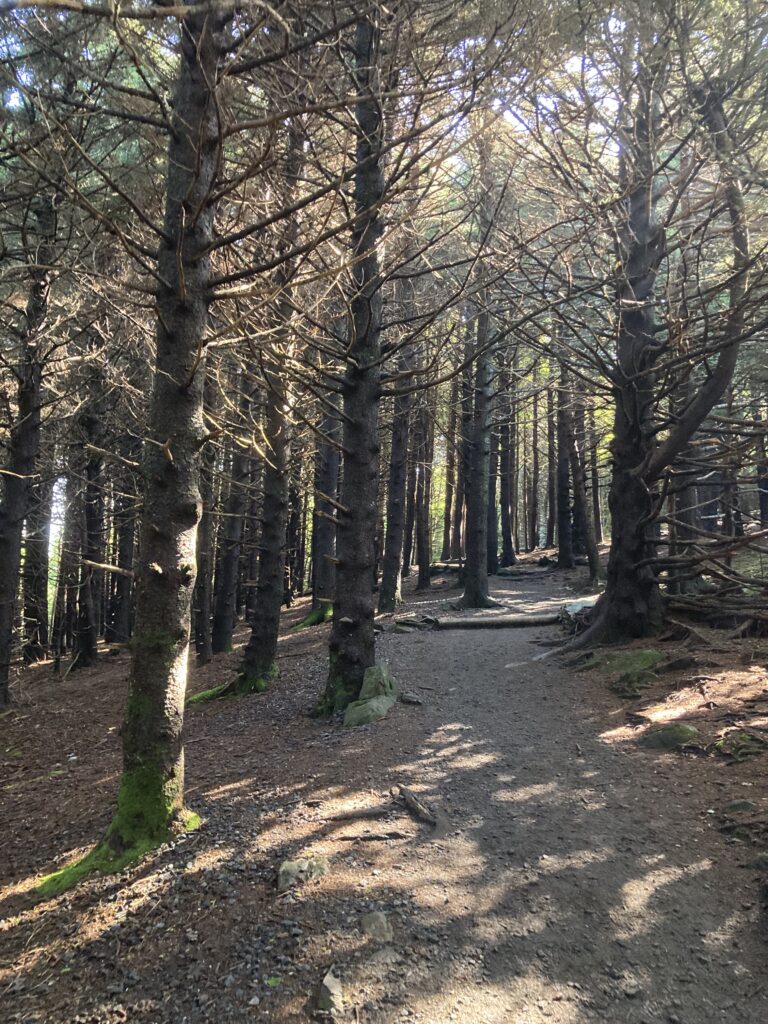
x=424, y=494
x=564, y=524
x=36, y=541
x=327, y=461
x=580, y=500
x=390, y=592
x=533, y=504
x=551, y=468
x=150, y=802
x=450, y=469
x=508, y=556
x=493, y=514
x=24, y=443
x=476, y=570
x=225, y=597
x=352, y=644
x=597, y=514
x=410, y=510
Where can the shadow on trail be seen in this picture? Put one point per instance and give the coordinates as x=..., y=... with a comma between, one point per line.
x=551, y=895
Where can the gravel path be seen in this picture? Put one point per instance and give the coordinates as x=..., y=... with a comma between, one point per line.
x=584, y=877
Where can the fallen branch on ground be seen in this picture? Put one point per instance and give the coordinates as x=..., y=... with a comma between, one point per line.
x=414, y=805
x=498, y=621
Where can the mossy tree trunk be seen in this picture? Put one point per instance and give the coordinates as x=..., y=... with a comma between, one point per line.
x=151, y=798
x=352, y=646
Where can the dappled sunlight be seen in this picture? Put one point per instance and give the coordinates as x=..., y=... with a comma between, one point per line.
x=635, y=916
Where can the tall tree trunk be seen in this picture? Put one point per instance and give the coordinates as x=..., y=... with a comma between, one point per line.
x=24, y=442
x=508, y=556
x=390, y=591
x=493, y=516
x=150, y=802
x=327, y=461
x=551, y=466
x=533, y=505
x=632, y=604
x=564, y=527
x=36, y=541
x=597, y=515
x=259, y=664
x=225, y=596
x=761, y=475
x=464, y=445
x=450, y=468
x=203, y=592
x=125, y=527
x=410, y=510
x=424, y=493
x=352, y=643
x=91, y=543
x=476, y=570
x=580, y=499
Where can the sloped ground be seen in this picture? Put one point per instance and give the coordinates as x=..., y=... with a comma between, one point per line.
x=572, y=876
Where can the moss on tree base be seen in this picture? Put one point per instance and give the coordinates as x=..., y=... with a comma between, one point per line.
x=338, y=693
x=241, y=686
x=111, y=855
x=323, y=613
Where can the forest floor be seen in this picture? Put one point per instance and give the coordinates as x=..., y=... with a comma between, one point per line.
x=573, y=874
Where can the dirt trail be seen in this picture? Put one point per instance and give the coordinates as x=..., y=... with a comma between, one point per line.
x=572, y=878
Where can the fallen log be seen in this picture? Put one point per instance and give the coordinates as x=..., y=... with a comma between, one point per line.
x=498, y=621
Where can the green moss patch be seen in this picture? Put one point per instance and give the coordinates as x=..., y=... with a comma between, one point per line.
x=740, y=745
x=670, y=737
x=323, y=613
x=241, y=686
x=205, y=695
x=637, y=659
x=337, y=693
x=106, y=859
x=630, y=685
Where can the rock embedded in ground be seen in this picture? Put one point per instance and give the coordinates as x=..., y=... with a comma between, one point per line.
x=671, y=736
x=377, y=696
x=294, y=872
x=376, y=925
x=363, y=712
x=331, y=997
x=740, y=807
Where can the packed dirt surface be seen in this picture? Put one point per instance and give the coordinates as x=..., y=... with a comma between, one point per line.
x=572, y=875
